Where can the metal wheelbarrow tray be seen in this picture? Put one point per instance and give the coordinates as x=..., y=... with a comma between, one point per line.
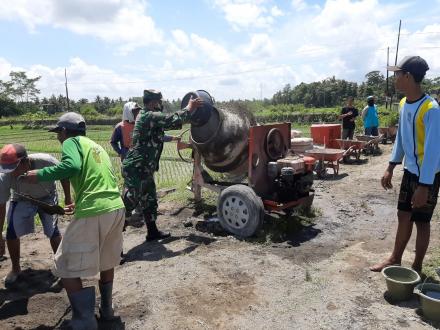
x=352, y=147
x=372, y=146
x=326, y=158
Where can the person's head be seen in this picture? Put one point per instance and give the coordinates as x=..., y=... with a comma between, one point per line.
x=14, y=160
x=350, y=101
x=70, y=124
x=152, y=100
x=370, y=100
x=409, y=73
x=130, y=111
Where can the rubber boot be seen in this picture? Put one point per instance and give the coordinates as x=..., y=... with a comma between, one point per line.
x=153, y=232
x=83, y=309
x=106, y=311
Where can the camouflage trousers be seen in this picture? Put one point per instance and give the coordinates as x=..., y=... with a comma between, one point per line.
x=140, y=191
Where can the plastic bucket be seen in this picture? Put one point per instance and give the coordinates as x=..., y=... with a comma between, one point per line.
x=429, y=295
x=200, y=116
x=400, y=282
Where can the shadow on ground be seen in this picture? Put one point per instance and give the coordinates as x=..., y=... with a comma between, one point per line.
x=14, y=299
x=154, y=251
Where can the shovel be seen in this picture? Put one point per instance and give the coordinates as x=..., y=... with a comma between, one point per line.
x=46, y=207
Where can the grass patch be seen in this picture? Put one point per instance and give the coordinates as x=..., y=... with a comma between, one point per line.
x=431, y=264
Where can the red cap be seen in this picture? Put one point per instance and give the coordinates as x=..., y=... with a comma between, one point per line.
x=10, y=157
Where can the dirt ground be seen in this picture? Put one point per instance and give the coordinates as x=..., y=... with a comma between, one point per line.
x=201, y=278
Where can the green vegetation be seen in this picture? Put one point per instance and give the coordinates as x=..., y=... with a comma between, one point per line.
x=173, y=171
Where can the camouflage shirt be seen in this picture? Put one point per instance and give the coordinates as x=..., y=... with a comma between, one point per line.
x=148, y=138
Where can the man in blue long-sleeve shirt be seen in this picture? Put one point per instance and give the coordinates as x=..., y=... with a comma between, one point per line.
x=417, y=143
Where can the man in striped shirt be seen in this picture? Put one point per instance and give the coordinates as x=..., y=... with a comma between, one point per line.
x=417, y=143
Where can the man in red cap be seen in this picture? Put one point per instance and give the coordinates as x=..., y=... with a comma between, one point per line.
x=14, y=162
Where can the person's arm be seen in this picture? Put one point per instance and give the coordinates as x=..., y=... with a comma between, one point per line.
x=342, y=115
x=116, y=140
x=175, y=120
x=398, y=153
x=65, y=183
x=169, y=138
x=69, y=166
x=364, y=113
x=2, y=223
x=396, y=158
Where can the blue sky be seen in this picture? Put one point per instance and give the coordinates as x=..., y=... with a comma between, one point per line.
x=232, y=48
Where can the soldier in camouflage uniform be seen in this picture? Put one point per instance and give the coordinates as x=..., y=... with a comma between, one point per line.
x=142, y=159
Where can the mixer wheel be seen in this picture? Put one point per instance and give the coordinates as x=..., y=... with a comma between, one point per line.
x=240, y=210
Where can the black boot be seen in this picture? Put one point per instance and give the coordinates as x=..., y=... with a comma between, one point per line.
x=83, y=309
x=106, y=311
x=154, y=233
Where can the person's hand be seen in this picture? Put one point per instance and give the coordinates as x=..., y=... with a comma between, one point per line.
x=349, y=113
x=2, y=247
x=420, y=197
x=194, y=103
x=30, y=177
x=182, y=145
x=69, y=209
x=386, y=179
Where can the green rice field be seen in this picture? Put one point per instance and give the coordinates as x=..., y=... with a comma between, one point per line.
x=173, y=171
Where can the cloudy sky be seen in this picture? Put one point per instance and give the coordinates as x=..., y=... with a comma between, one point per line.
x=232, y=48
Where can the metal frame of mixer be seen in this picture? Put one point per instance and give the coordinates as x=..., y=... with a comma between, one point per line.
x=257, y=168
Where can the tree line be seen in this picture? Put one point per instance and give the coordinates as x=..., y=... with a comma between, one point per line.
x=20, y=95
x=333, y=92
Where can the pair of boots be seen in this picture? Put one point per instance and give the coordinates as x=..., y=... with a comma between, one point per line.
x=83, y=307
x=153, y=233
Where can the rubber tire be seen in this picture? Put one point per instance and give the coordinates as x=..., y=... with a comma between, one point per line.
x=253, y=203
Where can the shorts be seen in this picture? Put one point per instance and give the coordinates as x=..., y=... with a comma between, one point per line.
x=371, y=131
x=407, y=188
x=90, y=245
x=347, y=133
x=21, y=219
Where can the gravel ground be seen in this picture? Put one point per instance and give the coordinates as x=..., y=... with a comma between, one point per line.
x=201, y=278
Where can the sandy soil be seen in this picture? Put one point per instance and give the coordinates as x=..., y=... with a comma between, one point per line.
x=201, y=278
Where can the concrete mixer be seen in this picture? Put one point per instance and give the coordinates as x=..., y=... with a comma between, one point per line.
x=228, y=140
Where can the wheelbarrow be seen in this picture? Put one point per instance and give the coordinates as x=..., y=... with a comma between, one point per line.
x=372, y=145
x=389, y=133
x=352, y=148
x=326, y=158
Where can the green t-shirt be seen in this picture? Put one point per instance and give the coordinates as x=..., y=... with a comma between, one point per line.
x=86, y=164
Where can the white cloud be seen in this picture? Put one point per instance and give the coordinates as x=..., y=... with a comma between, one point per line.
x=259, y=46
x=343, y=38
x=243, y=14
x=299, y=5
x=121, y=22
x=275, y=11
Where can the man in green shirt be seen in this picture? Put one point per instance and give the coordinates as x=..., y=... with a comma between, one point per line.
x=92, y=242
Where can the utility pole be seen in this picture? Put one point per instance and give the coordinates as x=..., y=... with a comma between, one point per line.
x=388, y=89
x=261, y=91
x=67, y=91
x=395, y=60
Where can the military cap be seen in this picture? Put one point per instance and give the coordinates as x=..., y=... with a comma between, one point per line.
x=152, y=94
